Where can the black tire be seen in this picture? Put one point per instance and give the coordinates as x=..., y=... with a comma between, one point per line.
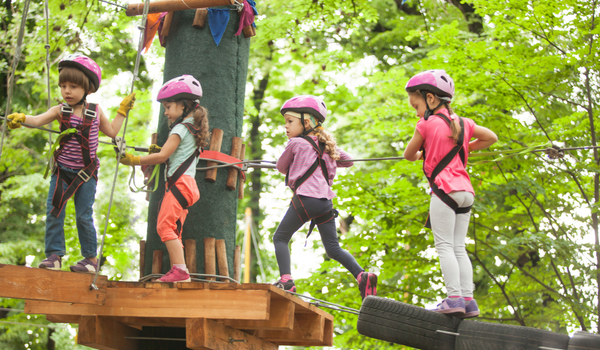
x=584, y=341
x=405, y=324
x=475, y=335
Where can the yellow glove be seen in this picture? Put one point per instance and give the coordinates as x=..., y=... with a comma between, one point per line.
x=130, y=159
x=154, y=149
x=127, y=104
x=15, y=120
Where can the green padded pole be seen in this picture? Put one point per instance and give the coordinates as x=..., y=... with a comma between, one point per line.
x=222, y=73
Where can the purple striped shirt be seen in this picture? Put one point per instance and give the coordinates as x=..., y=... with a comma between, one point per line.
x=71, y=156
x=298, y=157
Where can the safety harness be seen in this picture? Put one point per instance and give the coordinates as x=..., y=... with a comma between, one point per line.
x=297, y=202
x=81, y=133
x=458, y=149
x=171, y=180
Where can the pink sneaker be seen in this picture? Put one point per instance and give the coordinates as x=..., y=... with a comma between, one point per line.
x=175, y=275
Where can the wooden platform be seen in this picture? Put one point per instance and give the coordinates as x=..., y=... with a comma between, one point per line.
x=210, y=315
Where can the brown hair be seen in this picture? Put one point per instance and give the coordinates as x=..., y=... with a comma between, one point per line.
x=200, y=115
x=327, y=138
x=74, y=76
x=454, y=124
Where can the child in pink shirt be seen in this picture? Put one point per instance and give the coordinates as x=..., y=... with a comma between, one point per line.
x=309, y=162
x=442, y=140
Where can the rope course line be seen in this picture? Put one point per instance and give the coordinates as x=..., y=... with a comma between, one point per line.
x=47, y=47
x=112, y=191
x=11, y=77
x=112, y=3
x=327, y=304
x=36, y=325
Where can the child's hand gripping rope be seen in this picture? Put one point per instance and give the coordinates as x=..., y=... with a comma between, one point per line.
x=15, y=120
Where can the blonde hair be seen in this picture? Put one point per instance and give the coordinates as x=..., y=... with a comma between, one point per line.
x=327, y=138
x=200, y=115
x=454, y=124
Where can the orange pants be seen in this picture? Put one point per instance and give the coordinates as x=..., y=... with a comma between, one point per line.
x=171, y=211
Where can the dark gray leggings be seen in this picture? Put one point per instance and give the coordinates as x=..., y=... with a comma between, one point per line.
x=291, y=223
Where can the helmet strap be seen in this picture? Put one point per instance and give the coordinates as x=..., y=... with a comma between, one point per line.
x=429, y=112
x=306, y=132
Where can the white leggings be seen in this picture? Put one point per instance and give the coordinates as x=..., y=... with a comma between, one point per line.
x=450, y=232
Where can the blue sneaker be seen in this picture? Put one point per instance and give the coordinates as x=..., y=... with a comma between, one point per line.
x=471, y=309
x=451, y=306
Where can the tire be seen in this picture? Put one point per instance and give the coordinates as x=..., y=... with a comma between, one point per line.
x=475, y=335
x=584, y=341
x=405, y=324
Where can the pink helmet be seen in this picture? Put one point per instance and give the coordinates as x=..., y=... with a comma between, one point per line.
x=85, y=64
x=306, y=104
x=436, y=81
x=182, y=87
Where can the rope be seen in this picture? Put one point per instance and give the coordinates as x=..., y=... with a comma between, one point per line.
x=112, y=3
x=327, y=304
x=36, y=325
x=47, y=46
x=11, y=77
x=112, y=192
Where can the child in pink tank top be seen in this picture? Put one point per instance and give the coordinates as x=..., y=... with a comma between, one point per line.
x=442, y=140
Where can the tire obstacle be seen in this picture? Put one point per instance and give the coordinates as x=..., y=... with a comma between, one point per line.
x=409, y=325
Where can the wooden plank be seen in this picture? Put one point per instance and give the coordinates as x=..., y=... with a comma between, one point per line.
x=328, y=333
x=215, y=145
x=63, y=318
x=232, y=172
x=200, y=18
x=307, y=327
x=327, y=339
x=190, y=285
x=190, y=255
x=20, y=282
x=167, y=24
x=106, y=334
x=210, y=260
x=151, y=322
x=204, y=334
x=241, y=179
x=170, y=303
x=158, y=6
x=249, y=31
x=281, y=317
x=222, y=259
x=157, y=258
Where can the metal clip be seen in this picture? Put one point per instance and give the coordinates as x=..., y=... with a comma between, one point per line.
x=66, y=109
x=231, y=340
x=121, y=146
x=238, y=5
x=85, y=177
x=90, y=114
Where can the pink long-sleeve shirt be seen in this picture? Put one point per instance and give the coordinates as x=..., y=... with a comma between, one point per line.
x=298, y=157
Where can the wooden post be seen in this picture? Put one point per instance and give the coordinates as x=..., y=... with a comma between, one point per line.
x=241, y=180
x=105, y=333
x=142, y=257
x=174, y=5
x=166, y=27
x=232, y=174
x=190, y=255
x=204, y=334
x=209, y=258
x=237, y=263
x=249, y=31
x=157, y=258
x=200, y=18
x=215, y=145
x=222, y=259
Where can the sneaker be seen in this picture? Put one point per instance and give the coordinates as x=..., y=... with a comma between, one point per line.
x=367, y=284
x=85, y=265
x=53, y=262
x=454, y=306
x=289, y=286
x=175, y=275
x=471, y=309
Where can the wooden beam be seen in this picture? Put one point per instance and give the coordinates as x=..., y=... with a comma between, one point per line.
x=142, y=257
x=200, y=18
x=222, y=259
x=216, y=139
x=307, y=327
x=232, y=172
x=249, y=31
x=106, y=334
x=205, y=334
x=190, y=255
x=281, y=318
x=237, y=263
x=157, y=259
x=20, y=282
x=153, y=302
x=63, y=318
x=174, y=5
x=167, y=27
x=152, y=322
x=241, y=179
x=210, y=260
